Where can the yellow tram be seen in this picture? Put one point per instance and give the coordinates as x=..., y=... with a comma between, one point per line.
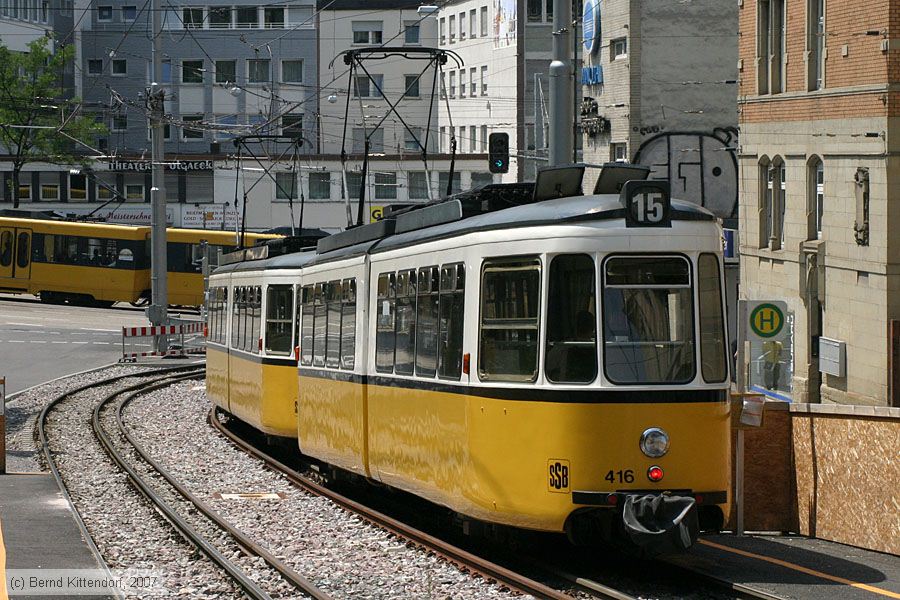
x=101, y=263
x=559, y=365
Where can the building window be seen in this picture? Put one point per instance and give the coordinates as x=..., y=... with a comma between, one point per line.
x=220, y=17
x=444, y=178
x=134, y=191
x=442, y=142
x=462, y=26
x=49, y=191
x=292, y=71
x=95, y=66
x=187, y=133
x=618, y=48
x=119, y=67
x=247, y=17
x=120, y=122
x=473, y=142
x=129, y=13
x=411, y=32
x=192, y=18
x=771, y=203
x=412, y=139
x=452, y=29
x=463, y=85
x=417, y=182
x=473, y=23
x=366, y=87
x=258, y=70
x=367, y=32
x=770, y=46
x=820, y=197
x=320, y=186
x=45, y=11
x=442, y=29
x=292, y=125
x=484, y=138
x=274, y=18
x=376, y=140
x=301, y=16
x=285, y=186
x=815, y=44
x=226, y=71
x=104, y=13
x=385, y=186
x=25, y=191
x=481, y=180
x=77, y=187
x=192, y=71
x=484, y=21
x=452, y=91
x=412, y=85
x=764, y=204
x=618, y=152
x=484, y=76
x=473, y=84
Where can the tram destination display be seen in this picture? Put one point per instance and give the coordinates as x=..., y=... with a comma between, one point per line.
x=647, y=203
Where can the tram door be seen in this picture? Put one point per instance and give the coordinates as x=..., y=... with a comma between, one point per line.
x=15, y=257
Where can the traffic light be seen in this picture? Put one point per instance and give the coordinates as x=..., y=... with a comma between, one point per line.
x=498, y=155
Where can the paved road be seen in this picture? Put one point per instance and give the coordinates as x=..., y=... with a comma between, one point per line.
x=39, y=342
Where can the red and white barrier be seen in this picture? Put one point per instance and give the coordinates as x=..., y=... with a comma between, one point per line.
x=186, y=334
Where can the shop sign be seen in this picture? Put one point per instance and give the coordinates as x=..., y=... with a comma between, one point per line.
x=145, y=166
x=209, y=216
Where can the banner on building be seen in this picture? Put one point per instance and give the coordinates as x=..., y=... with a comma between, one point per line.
x=123, y=215
x=209, y=216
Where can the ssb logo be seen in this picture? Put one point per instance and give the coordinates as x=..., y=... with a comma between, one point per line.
x=558, y=473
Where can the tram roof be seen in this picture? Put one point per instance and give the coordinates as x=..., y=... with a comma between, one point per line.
x=570, y=210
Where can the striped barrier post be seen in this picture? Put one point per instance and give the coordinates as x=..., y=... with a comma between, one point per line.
x=2, y=425
x=161, y=330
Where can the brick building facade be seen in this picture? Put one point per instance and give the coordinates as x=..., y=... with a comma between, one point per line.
x=820, y=193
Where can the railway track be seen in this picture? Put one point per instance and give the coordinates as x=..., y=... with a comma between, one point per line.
x=186, y=527
x=453, y=554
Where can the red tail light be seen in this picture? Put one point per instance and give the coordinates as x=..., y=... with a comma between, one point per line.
x=655, y=473
x=205, y=331
x=260, y=344
x=297, y=353
x=467, y=360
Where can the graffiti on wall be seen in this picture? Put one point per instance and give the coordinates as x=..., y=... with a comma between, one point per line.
x=701, y=166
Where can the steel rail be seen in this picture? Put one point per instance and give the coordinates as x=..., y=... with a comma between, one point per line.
x=51, y=462
x=249, y=586
x=451, y=553
x=295, y=578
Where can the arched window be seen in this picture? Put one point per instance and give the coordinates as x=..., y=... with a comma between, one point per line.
x=815, y=197
x=777, y=182
x=764, y=203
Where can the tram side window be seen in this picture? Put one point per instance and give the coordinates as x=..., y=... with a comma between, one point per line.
x=571, y=352
x=306, y=326
x=450, y=323
x=223, y=316
x=404, y=356
x=427, y=321
x=212, y=312
x=648, y=324
x=333, y=337
x=320, y=327
x=713, y=355
x=348, y=324
x=255, y=319
x=385, y=335
x=184, y=257
x=6, y=248
x=22, y=250
x=510, y=313
x=279, y=299
x=85, y=251
x=236, y=318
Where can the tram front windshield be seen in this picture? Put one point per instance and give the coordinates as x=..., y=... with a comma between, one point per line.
x=648, y=320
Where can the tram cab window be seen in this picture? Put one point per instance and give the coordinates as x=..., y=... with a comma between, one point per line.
x=648, y=320
x=713, y=355
x=404, y=360
x=279, y=299
x=348, y=324
x=450, y=322
x=571, y=352
x=510, y=313
x=320, y=327
x=427, y=316
x=306, y=326
x=385, y=335
x=333, y=336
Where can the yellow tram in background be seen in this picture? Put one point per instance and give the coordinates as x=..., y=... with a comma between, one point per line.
x=99, y=263
x=558, y=365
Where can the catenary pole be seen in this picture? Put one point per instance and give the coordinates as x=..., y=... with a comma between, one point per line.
x=158, y=311
x=562, y=98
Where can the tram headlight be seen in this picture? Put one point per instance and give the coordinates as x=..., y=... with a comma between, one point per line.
x=654, y=442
